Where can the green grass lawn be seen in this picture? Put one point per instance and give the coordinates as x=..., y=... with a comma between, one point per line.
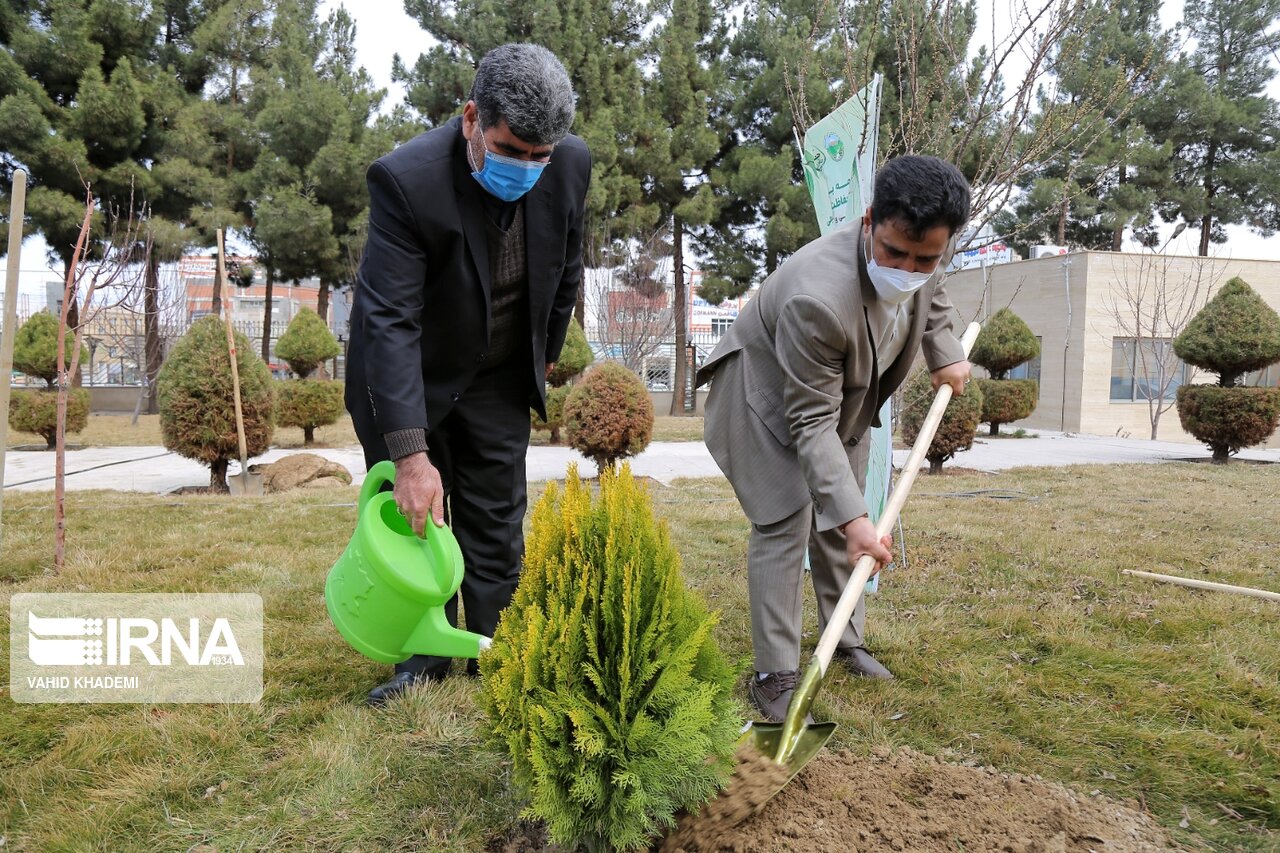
x=1015, y=638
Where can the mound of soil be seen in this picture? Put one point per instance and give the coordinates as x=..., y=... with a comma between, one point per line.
x=906, y=801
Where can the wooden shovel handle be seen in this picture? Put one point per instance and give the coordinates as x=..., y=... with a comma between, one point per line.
x=866, y=564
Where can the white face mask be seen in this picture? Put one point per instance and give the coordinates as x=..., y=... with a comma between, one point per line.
x=892, y=285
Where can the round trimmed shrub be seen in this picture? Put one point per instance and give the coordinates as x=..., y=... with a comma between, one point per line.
x=555, y=412
x=308, y=403
x=197, y=406
x=575, y=356
x=1006, y=400
x=1004, y=343
x=959, y=422
x=608, y=415
x=307, y=343
x=35, y=348
x=1234, y=333
x=37, y=411
x=604, y=685
x=1228, y=419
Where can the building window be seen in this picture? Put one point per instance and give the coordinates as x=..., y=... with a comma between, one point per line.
x=1028, y=369
x=720, y=325
x=1268, y=377
x=1139, y=370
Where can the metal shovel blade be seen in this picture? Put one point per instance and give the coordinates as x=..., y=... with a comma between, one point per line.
x=792, y=743
x=246, y=483
x=767, y=739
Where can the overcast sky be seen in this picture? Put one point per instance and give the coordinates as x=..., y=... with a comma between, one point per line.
x=383, y=29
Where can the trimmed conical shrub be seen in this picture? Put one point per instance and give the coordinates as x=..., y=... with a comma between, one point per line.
x=197, y=408
x=308, y=403
x=959, y=422
x=603, y=683
x=1234, y=333
x=37, y=411
x=35, y=348
x=1004, y=342
x=1005, y=400
x=307, y=343
x=608, y=415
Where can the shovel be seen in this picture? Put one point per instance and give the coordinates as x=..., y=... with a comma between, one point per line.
x=791, y=743
x=246, y=482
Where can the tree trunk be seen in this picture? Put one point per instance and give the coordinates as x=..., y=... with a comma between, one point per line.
x=266, y=319
x=995, y=428
x=308, y=435
x=1210, y=190
x=935, y=466
x=153, y=354
x=73, y=316
x=217, y=293
x=1122, y=178
x=555, y=435
x=678, y=306
x=1220, y=454
x=218, y=477
x=322, y=301
x=1063, y=210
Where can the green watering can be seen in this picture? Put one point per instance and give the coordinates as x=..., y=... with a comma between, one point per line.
x=386, y=594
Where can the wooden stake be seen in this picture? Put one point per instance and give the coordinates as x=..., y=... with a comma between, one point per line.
x=1195, y=584
x=17, y=212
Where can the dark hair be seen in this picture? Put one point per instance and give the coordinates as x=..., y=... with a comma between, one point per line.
x=920, y=192
x=525, y=85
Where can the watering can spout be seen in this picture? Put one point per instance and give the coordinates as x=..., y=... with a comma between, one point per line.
x=435, y=636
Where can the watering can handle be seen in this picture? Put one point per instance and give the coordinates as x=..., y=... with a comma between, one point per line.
x=383, y=472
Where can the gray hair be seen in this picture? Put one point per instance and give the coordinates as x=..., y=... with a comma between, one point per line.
x=528, y=87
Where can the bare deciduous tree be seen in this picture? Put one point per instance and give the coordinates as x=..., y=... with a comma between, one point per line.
x=1154, y=299
x=630, y=303
x=112, y=278
x=969, y=111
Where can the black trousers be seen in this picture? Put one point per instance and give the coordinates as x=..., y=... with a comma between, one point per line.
x=480, y=449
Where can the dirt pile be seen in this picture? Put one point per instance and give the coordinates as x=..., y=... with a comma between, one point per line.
x=906, y=801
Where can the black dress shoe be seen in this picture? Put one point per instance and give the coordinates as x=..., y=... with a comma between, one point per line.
x=399, y=683
x=860, y=662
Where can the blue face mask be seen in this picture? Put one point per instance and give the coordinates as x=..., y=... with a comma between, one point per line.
x=505, y=177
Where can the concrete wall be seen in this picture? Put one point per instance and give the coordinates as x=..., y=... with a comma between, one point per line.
x=662, y=402
x=112, y=398
x=1103, y=288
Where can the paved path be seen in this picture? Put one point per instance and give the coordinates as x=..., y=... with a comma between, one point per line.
x=152, y=469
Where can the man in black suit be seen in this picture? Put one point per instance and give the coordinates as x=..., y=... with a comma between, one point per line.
x=468, y=281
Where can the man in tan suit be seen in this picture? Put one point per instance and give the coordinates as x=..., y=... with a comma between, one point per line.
x=800, y=378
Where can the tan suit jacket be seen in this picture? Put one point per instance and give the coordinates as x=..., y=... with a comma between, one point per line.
x=807, y=384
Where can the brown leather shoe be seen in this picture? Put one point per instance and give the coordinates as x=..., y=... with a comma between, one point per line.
x=860, y=662
x=772, y=694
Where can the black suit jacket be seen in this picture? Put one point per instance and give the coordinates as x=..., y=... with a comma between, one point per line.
x=420, y=318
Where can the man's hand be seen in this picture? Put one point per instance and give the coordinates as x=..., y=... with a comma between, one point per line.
x=418, y=491
x=860, y=538
x=956, y=375
x=551, y=365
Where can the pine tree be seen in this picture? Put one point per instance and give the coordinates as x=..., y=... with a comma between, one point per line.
x=1111, y=173
x=1220, y=123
